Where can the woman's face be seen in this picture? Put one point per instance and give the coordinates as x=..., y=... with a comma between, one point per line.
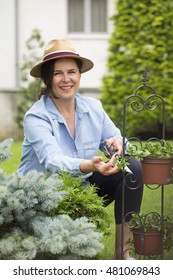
x=66, y=79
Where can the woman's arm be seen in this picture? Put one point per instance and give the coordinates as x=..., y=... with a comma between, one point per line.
x=97, y=164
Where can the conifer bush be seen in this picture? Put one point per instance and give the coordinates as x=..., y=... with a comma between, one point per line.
x=33, y=224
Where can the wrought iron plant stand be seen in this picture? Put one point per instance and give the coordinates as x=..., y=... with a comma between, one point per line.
x=137, y=103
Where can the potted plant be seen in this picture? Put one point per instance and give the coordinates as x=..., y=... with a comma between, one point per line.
x=147, y=233
x=151, y=233
x=156, y=158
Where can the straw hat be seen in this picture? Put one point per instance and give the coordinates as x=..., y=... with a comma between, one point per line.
x=59, y=49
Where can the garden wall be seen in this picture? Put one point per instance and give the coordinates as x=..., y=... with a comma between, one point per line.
x=8, y=103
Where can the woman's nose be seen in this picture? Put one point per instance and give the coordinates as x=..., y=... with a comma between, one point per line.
x=66, y=78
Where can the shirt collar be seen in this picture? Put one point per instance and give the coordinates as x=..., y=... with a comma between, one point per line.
x=81, y=107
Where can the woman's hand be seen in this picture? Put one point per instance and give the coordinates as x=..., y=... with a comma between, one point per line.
x=97, y=164
x=106, y=168
x=117, y=145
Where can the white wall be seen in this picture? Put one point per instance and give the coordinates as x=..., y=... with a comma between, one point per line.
x=50, y=17
x=7, y=45
x=18, y=18
x=8, y=126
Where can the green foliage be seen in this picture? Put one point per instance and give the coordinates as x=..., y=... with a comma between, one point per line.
x=28, y=231
x=122, y=163
x=151, y=220
x=151, y=200
x=168, y=230
x=29, y=87
x=82, y=200
x=161, y=149
x=141, y=40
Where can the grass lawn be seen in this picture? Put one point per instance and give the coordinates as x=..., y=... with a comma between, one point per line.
x=151, y=202
x=12, y=164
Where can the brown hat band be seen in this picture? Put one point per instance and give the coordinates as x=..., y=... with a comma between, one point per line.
x=55, y=54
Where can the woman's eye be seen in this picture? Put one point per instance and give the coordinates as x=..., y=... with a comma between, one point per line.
x=72, y=72
x=69, y=73
x=57, y=73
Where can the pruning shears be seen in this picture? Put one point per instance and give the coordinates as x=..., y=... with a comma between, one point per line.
x=109, y=152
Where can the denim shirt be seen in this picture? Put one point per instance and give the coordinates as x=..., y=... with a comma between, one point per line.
x=48, y=145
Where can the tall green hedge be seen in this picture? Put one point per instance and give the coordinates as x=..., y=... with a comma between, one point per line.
x=142, y=39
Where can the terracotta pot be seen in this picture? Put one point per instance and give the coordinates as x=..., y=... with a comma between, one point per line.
x=157, y=171
x=148, y=242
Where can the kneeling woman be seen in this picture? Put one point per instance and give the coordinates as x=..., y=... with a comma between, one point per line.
x=64, y=131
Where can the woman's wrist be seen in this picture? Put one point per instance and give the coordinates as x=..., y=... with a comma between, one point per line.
x=86, y=166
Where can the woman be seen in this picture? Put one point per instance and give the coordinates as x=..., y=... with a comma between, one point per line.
x=64, y=131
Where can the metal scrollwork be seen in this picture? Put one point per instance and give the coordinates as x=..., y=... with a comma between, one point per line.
x=138, y=104
x=145, y=97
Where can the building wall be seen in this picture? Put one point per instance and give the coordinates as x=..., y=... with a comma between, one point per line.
x=7, y=45
x=8, y=101
x=19, y=18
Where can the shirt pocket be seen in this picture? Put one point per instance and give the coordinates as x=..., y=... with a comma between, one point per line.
x=90, y=148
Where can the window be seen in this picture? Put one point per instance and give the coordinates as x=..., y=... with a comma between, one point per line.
x=87, y=16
